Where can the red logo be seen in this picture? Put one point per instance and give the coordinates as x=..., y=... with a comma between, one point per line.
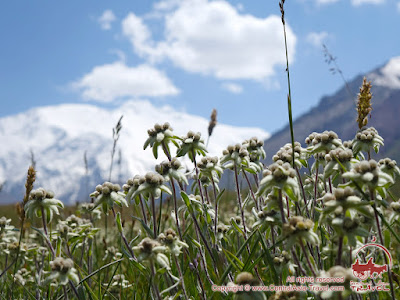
x=370, y=269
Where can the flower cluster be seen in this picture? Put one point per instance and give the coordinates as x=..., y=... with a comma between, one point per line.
x=62, y=270
x=151, y=185
x=342, y=200
x=299, y=228
x=42, y=201
x=172, y=169
x=235, y=156
x=158, y=136
x=107, y=194
x=171, y=240
x=255, y=147
x=389, y=167
x=192, y=144
x=366, y=139
x=336, y=160
x=285, y=154
x=368, y=174
x=152, y=251
x=282, y=176
x=322, y=142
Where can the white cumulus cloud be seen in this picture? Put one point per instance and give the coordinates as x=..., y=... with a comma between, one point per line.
x=234, y=88
x=213, y=38
x=106, y=19
x=389, y=75
x=317, y=38
x=108, y=82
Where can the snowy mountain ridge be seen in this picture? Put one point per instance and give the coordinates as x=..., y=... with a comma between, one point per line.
x=58, y=136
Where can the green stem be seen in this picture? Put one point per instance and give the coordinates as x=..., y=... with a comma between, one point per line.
x=153, y=209
x=239, y=197
x=307, y=258
x=280, y=203
x=176, y=208
x=216, y=209
x=124, y=238
x=181, y=277
x=47, y=236
x=143, y=210
x=382, y=242
x=289, y=97
x=251, y=191
x=198, y=176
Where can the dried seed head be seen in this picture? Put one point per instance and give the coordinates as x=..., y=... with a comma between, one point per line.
x=213, y=121
x=364, y=106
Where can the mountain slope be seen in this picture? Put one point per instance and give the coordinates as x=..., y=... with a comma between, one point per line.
x=59, y=136
x=338, y=113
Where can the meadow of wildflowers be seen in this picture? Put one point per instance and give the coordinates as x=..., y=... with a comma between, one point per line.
x=176, y=234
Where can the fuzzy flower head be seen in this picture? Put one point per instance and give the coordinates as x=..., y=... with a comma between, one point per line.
x=282, y=258
x=40, y=201
x=309, y=184
x=322, y=142
x=117, y=283
x=7, y=233
x=287, y=295
x=389, y=166
x=349, y=227
x=285, y=154
x=131, y=186
x=338, y=272
x=335, y=159
x=172, y=169
x=368, y=174
x=112, y=253
x=342, y=200
x=364, y=106
x=89, y=209
x=197, y=205
x=246, y=278
x=238, y=156
x=255, y=147
x=267, y=217
x=152, y=251
x=63, y=230
x=367, y=139
x=107, y=195
x=151, y=185
x=192, y=145
x=158, y=136
x=210, y=167
x=279, y=175
x=5, y=228
x=222, y=229
x=23, y=276
x=62, y=270
x=299, y=228
x=395, y=207
x=172, y=242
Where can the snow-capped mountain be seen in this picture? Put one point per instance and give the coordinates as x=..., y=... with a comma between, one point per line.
x=58, y=136
x=337, y=112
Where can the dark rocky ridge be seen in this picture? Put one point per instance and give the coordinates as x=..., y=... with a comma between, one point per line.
x=338, y=113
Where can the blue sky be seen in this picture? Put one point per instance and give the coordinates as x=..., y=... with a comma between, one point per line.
x=194, y=55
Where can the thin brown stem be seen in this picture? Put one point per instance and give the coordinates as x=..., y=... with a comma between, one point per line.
x=239, y=197
x=307, y=258
x=251, y=190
